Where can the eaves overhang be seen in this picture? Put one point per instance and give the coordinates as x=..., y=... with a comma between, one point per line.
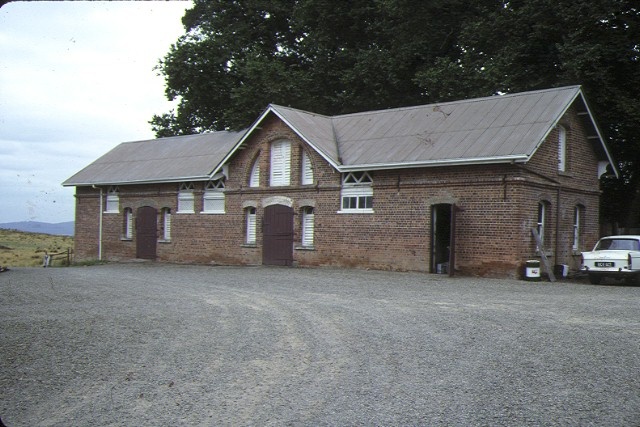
x=579, y=94
x=137, y=182
x=598, y=135
x=241, y=141
x=436, y=163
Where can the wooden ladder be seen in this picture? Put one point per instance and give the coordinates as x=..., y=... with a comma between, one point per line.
x=543, y=255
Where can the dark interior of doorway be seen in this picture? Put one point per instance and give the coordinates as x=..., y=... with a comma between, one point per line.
x=441, y=238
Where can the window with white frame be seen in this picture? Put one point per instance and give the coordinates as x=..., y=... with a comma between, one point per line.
x=542, y=219
x=562, y=149
x=357, y=192
x=254, y=178
x=308, y=219
x=127, y=229
x=166, y=224
x=113, y=200
x=307, y=169
x=213, y=198
x=280, y=170
x=250, y=233
x=577, y=220
x=185, y=198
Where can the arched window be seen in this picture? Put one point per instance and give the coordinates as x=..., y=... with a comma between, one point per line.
x=543, y=208
x=308, y=219
x=127, y=226
x=280, y=163
x=250, y=234
x=562, y=149
x=254, y=178
x=307, y=169
x=165, y=224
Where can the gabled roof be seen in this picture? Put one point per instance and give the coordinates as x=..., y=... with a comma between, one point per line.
x=173, y=159
x=496, y=129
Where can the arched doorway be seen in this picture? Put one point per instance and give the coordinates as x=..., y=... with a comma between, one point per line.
x=277, y=235
x=146, y=232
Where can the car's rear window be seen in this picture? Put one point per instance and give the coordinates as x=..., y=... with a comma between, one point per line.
x=618, y=245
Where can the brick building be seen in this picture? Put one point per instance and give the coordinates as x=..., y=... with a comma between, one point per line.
x=450, y=187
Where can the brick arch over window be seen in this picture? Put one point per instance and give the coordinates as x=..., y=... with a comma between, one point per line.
x=277, y=200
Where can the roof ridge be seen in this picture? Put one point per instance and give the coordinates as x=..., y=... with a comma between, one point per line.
x=459, y=101
x=276, y=106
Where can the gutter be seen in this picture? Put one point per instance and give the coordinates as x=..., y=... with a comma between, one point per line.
x=435, y=163
x=142, y=181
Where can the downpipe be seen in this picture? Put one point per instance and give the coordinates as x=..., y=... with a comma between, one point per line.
x=99, y=225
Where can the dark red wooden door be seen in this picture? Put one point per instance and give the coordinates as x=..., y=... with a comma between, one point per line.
x=146, y=232
x=277, y=235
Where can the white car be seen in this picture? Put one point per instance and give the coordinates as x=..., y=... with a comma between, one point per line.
x=615, y=257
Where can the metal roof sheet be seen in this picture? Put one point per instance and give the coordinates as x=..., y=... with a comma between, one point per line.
x=316, y=129
x=179, y=158
x=494, y=129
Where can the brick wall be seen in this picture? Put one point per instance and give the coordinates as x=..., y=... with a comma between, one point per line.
x=498, y=207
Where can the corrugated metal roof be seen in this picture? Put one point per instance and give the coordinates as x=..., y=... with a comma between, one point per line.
x=316, y=129
x=180, y=158
x=506, y=128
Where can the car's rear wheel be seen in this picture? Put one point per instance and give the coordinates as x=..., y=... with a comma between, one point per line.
x=595, y=279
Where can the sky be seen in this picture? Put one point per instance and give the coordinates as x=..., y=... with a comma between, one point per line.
x=76, y=79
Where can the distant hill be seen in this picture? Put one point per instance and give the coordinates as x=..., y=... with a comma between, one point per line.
x=60, y=228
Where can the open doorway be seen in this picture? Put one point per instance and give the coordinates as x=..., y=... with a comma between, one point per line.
x=443, y=238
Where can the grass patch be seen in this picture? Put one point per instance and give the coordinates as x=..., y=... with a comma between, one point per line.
x=22, y=249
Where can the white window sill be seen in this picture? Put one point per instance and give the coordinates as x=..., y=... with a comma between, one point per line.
x=185, y=212
x=249, y=245
x=126, y=239
x=111, y=212
x=212, y=212
x=305, y=248
x=356, y=211
x=164, y=241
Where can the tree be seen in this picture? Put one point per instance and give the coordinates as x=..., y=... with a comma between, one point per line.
x=335, y=57
x=327, y=56
x=535, y=44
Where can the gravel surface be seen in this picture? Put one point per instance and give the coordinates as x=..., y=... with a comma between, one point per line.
x=155, y=344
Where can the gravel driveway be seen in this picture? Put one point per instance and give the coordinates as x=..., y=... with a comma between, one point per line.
x=159, y=345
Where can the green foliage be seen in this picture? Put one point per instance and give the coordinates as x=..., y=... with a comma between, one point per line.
x=335, y=57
